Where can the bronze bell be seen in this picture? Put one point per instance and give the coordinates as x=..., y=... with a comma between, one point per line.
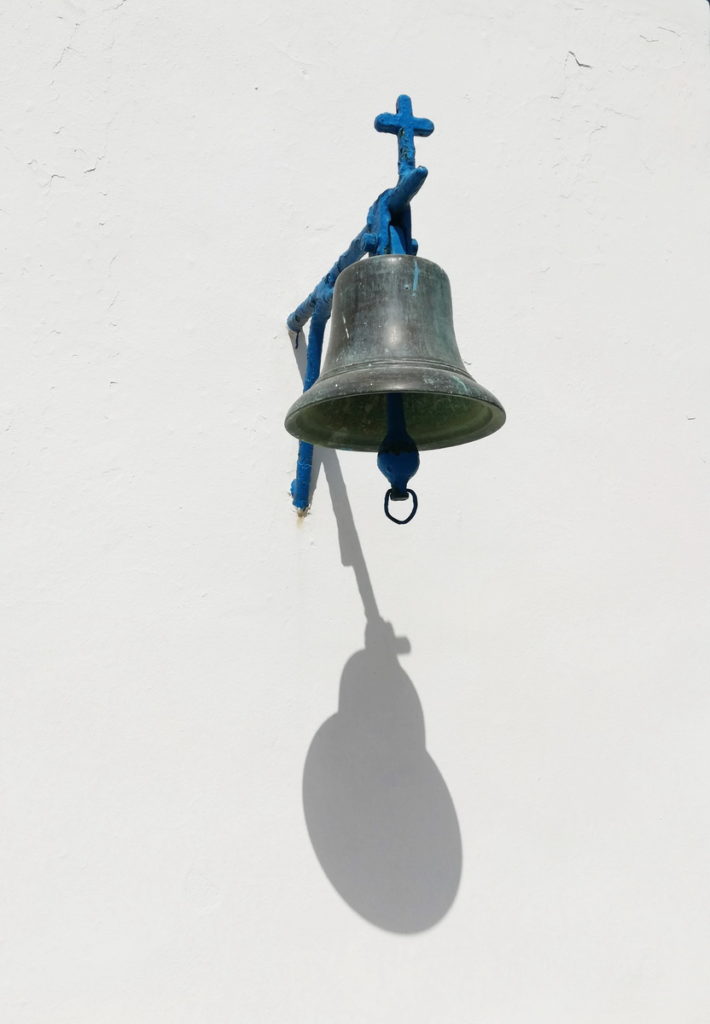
x=392, y=333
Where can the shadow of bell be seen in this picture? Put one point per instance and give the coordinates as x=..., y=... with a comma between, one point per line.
x=378, y=812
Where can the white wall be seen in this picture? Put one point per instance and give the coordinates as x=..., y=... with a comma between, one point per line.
x=175, y=178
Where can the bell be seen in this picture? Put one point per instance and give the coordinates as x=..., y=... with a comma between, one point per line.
x=392, y=334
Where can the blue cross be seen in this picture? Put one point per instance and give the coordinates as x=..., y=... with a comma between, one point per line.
x=406, y=126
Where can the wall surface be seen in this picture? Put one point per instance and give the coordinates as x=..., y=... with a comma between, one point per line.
x=331, y=771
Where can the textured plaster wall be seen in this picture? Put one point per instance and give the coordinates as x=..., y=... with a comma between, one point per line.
x=507, y=821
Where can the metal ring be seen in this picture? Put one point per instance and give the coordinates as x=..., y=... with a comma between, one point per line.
x=401, y=522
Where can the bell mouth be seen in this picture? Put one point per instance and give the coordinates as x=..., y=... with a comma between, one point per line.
x=442, y=408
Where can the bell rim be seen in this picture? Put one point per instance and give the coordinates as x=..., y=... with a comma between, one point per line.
x=445, y=382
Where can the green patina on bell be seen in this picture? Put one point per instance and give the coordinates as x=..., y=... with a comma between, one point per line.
x=392, y=333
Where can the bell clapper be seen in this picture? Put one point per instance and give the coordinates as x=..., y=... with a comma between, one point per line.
x=398, y=457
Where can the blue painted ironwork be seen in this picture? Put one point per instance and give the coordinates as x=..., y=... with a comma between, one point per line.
x=388, y=229
x=301, y=485
x=404, y=125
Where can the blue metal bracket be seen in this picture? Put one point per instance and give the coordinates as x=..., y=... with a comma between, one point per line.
x=388, y=230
